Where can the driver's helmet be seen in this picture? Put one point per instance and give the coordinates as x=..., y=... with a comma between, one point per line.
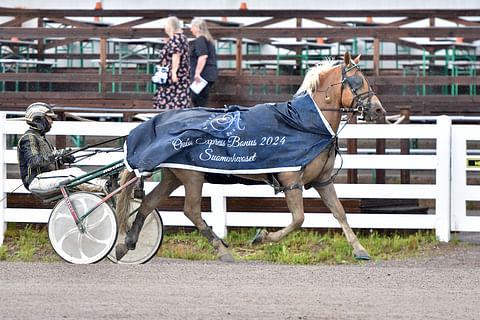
x=35, y=116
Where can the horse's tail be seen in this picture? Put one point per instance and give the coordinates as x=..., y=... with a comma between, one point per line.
x=123, y=200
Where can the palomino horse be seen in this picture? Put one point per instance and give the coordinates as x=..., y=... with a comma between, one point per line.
x=335, y=87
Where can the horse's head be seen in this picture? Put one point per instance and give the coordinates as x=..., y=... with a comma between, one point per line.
x=356, y=93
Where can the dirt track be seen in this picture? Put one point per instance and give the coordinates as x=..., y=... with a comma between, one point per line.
x=446, y=287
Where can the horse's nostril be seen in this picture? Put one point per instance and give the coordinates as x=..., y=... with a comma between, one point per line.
x=379, y=110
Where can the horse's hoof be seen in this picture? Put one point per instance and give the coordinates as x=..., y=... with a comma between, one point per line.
x=259, y=237
x=361, y=255
x=223, y=253
x=130, y=246
x=120, y=251
x=227, y=257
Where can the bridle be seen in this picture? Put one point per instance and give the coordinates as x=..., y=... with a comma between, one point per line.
x=354, y=83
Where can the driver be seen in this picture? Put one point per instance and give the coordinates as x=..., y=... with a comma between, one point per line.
x=42, y=167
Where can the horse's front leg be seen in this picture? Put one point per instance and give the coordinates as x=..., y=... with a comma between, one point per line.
x=329, y=197
x=192, y=210
x=295, y=205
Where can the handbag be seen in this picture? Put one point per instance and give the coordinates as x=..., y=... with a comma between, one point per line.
x=161, y=75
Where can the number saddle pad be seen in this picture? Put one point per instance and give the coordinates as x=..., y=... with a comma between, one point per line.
x=272, y=137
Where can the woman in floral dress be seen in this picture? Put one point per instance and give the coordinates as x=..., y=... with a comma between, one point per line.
x=175, y=94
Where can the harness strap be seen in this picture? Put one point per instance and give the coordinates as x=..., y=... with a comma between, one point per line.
x=333, y=146
x=278, y=188
x=347, y=110
x=275, y=184
x=319, y=184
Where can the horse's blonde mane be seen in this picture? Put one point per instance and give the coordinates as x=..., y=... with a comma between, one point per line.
x=311, y=80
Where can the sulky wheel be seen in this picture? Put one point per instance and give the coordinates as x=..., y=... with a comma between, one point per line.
x=99, y=236
x=149, y=241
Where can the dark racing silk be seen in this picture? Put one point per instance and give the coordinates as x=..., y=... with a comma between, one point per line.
x=33, y=152
x=265, y=138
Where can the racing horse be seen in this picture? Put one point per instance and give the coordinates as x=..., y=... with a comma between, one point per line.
x=336, y=87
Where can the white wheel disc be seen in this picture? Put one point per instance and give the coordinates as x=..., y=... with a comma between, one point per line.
x=149, y=241
x=100, y=229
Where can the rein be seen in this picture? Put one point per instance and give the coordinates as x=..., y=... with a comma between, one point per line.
x=80, y=158
x=93, y=145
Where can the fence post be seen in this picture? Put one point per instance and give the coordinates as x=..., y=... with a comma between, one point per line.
x=218, y=203
x=352, y=174
x=61, y=140
x=380, y=149
x=405, y=145
x=443, y=181
x=3, y=174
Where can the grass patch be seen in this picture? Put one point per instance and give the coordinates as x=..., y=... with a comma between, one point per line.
x=186, y=245
x=27, y=245
x=300, y=247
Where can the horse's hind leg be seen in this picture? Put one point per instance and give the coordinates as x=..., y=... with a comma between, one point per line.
x=168, y=184
x=295, y=205
x=193, y=182
x=329, y=197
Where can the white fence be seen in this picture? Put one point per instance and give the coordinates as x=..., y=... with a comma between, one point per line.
x=462, y=191
x=219, y=218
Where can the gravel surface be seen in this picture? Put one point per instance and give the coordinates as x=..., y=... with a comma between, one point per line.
x=444, y=287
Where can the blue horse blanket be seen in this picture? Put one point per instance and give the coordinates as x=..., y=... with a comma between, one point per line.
x=236, y=140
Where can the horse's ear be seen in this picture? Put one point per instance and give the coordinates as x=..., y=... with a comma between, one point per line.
x=357, y=59
x=347, y=58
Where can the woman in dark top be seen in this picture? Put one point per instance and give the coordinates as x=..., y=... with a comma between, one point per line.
x=175, y=94
x=203, y=61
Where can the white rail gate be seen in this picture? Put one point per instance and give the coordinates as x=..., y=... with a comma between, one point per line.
x=449, y=184
x=462, y=190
